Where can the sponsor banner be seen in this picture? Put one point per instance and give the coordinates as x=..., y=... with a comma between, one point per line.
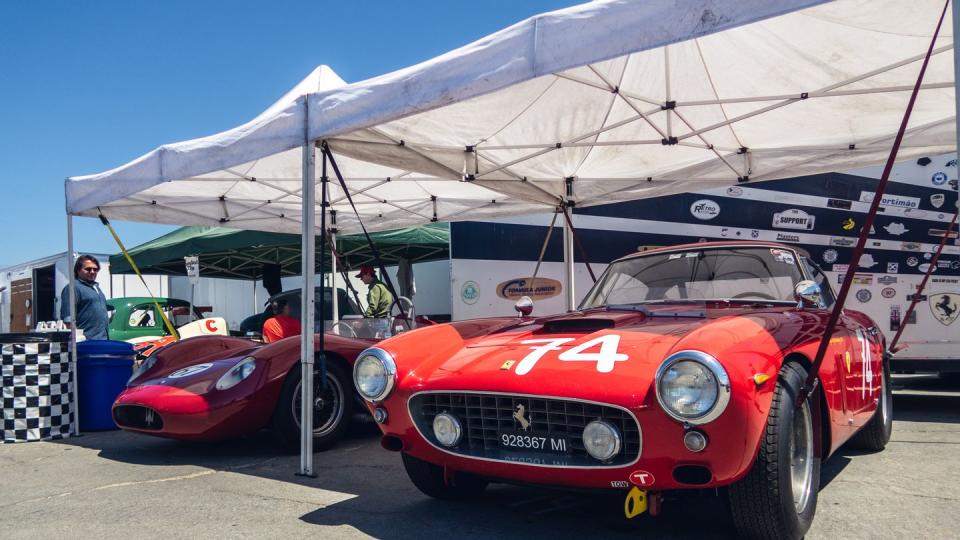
x=536, y=288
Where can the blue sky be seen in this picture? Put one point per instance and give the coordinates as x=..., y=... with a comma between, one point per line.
x=87, y=86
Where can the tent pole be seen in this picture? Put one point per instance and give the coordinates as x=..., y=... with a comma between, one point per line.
x=568, y=262
x=307, y=302
x=71, y=261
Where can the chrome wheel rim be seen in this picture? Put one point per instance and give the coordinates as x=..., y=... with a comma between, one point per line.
x=801, y=458
x=327, y=405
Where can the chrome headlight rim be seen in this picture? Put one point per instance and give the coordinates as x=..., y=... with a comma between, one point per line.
x=719, y=373
x=389, y=368
x=237, y=374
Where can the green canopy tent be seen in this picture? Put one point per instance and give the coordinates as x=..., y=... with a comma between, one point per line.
x=238, y=254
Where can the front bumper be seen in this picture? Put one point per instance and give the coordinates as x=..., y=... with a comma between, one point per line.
x=664, y=463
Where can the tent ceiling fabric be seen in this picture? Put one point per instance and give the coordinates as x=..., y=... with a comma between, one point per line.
x=627, y=99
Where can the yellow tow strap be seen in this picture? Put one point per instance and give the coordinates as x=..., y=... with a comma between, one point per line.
x=166, y=321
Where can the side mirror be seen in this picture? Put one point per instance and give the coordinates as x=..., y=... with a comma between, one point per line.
x=524, y=306
x=807, y=294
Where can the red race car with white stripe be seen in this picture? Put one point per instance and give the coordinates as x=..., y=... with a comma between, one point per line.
x=680, y=370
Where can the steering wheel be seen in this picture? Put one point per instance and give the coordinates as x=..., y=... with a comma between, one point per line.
x=338, y=329
x=752, y=294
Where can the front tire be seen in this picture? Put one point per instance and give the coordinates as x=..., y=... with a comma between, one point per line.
x=876, y=434
x=778, y=496
x=429, y=479
x=333, y=407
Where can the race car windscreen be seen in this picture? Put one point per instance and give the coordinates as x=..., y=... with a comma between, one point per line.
x=754, y=273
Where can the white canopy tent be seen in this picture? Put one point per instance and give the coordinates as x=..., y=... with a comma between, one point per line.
x=593, y=104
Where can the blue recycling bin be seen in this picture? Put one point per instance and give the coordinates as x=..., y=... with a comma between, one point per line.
x=104, y=367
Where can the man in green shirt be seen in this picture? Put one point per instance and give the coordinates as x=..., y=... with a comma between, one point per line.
x=379, y=298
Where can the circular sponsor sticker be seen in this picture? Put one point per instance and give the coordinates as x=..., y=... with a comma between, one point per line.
x=734, y=191
x=888, y=292
x=830, y=256
x=470, y=292
x=926, y=256
x=864, y=295
x=705, y=209
x=939, y=178
x=642, y=478
x=912, y=261
x=189, y=370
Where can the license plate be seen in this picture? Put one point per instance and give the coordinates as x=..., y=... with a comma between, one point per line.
x=534, y=442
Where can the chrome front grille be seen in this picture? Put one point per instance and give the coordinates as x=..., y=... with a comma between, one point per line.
x=486, y=416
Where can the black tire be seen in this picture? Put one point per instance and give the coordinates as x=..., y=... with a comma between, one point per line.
x=429, y=479
x=331, y=419
x=875, y=435
x=763, y=503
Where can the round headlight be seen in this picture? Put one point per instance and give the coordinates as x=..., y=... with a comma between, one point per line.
x=374, y=374
x=601, y=440
x=692, y=387
x=447, y=430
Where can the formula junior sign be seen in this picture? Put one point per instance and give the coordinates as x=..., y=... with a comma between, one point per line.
x=536, y=288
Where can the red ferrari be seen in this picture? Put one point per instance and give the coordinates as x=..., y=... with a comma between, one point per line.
x=218, y=387
x=680, y=370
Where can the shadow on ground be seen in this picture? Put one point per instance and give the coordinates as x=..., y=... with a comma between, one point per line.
x=382, y=502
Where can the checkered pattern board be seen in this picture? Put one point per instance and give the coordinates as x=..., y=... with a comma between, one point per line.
x=37, y=397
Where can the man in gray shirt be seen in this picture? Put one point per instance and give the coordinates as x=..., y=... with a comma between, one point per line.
x=91, y=303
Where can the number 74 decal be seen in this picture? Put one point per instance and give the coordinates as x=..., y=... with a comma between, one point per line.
x=606, y=357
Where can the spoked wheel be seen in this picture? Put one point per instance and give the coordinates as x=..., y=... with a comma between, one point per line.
x=876, y=434
x=332, y=408
x=778, y=497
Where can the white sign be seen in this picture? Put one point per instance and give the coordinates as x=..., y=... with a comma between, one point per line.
x=793, y=219
x=896, y=201
x=705, y=209
x=193, y=268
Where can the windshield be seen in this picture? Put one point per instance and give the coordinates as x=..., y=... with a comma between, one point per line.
x=742, y=273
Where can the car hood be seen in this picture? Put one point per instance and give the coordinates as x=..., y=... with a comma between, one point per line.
x=485, y=355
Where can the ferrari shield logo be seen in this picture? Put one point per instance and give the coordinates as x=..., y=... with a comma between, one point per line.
x=945, y=307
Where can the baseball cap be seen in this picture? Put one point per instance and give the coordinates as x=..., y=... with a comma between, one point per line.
x=365, y=269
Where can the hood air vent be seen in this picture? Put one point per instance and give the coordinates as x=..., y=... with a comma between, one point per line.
x=566, y=326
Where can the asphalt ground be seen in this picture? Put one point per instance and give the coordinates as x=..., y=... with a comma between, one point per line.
x=118, y=485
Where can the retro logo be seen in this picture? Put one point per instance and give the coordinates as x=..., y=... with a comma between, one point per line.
x=886, y=280
x=734, y=191
x=848, y=224
x=937, y=200
x=830, y=256
x=705, y=209
x=893, y=268
x=787, y=237
x=938, y=178
x=896, y=201
x=864, y=295
x=888, y=292
x=839, y=203
x=945, y=307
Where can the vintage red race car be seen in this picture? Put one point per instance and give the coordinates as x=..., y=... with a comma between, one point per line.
x=680, y=370
x=219, y=387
